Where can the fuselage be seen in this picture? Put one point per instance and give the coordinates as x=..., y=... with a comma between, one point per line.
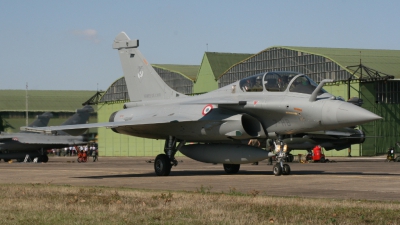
x=18, y=144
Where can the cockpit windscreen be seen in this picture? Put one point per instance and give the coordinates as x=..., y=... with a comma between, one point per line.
x=252, y=84
x=304, y=85
x=279, y=82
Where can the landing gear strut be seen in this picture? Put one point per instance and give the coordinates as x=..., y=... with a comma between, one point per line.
x=164, y=162
x=280, y=168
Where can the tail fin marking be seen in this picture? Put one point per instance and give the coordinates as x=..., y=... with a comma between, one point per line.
x=142, y=81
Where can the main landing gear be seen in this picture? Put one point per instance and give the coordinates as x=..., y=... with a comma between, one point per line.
x=231, y=168
x=164, y=162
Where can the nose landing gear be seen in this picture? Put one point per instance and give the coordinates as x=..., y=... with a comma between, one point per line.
x=280, y=168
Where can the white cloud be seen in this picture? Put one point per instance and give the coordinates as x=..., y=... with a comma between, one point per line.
x=88, y=34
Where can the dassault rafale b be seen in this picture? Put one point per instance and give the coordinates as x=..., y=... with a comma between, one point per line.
x=274, y=105
x=18, y=145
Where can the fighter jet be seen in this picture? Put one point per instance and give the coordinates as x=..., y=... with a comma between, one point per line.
x=18, y=145
x=221, y=122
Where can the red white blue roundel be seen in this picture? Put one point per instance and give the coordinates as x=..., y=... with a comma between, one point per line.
x=207, y=109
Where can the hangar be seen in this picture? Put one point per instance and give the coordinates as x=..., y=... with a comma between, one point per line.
x=213, y=65
x=62, y=104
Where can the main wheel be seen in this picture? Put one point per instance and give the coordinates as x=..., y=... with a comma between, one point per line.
x=231, y=168
x=162, y=165
x=7, y=160
x=286, y=169
x=277, y=169
x=44, y=158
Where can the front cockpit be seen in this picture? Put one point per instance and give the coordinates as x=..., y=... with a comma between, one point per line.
x=279, y=82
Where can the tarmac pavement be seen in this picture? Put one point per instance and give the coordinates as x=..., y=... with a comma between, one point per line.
x=345, y=178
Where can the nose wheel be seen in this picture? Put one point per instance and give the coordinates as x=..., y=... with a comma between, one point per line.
x=281, y=169
x=277, y=170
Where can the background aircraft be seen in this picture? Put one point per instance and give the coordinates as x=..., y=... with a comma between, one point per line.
x=18, y=145
x=221, y=122
x=41, y=120
x=329, y=139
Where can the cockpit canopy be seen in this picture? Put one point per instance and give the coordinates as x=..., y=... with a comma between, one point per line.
x=279, y=82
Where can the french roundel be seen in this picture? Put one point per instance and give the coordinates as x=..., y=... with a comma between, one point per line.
x=207, y=109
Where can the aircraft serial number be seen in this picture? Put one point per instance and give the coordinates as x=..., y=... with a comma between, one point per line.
x=152, y=95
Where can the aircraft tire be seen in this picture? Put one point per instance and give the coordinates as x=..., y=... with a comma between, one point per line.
x=277, y=169
x=44, y=158
x=20, y=160
x=286, y=169
x=231, y=168
x=7, y=160
x=162, y=165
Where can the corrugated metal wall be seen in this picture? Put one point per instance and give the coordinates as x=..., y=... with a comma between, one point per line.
x=175, y=81
x=382, y=98
x=279, y=59
x=117, y=91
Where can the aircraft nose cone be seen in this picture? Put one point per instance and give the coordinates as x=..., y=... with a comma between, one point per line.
x=351, y=115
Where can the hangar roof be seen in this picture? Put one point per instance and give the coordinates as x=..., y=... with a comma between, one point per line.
x=43, y=100
x=385, y=61
x=220, y=62
x=188, y=71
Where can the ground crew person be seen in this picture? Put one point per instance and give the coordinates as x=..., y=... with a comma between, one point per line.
x=270, y=148
x=255, y=143
x=95, y=155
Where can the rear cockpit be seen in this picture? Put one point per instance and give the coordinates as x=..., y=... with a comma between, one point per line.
x=279, y=82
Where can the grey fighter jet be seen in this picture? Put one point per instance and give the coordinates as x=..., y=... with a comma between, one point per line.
x=18, y=145
x=221, y=122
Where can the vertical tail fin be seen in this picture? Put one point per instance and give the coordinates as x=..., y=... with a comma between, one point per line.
x=142, y=81
x=80, y=117
x=41, y=120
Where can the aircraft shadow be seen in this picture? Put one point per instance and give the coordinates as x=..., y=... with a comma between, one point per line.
x=221, y=173
x=179, y=173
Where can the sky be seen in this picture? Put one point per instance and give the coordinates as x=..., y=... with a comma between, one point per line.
x=66, y=45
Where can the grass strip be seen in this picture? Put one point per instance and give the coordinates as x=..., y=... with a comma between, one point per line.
x=63, y=204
